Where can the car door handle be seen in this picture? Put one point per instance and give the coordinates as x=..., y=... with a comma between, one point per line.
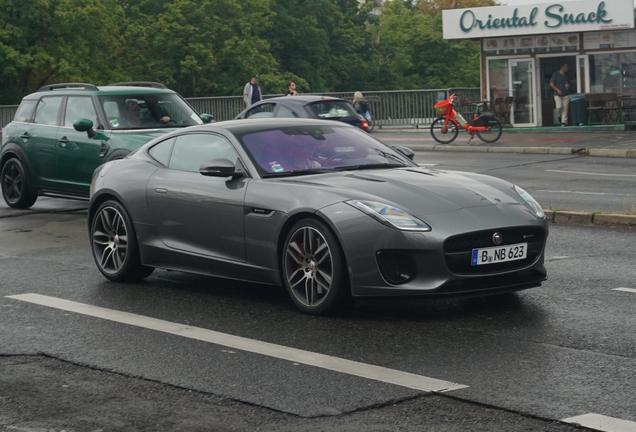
x=63, y=141
x=25, y=135
x=161, y=190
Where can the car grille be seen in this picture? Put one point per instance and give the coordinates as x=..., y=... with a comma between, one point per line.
x=458, y=249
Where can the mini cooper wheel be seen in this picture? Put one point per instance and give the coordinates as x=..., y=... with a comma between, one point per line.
x=313, y=268
x=114, y=244
x=15, y=186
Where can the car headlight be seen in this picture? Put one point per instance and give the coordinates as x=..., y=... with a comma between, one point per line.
x=531, y=202
x=389, y=215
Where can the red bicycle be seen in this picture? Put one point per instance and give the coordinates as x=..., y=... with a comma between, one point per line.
x=446, y=127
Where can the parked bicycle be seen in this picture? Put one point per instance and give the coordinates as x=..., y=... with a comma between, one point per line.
x=446, y=127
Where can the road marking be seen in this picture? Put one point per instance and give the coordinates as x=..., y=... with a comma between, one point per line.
x=592, y=173
x=629, y=290
x=427, y=164
x=377, y=373
x=583, y=193
x=602, y=423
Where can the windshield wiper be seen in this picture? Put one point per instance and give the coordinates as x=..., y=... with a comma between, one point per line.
x=390, y=156
x=369, y=166
x=298, y=172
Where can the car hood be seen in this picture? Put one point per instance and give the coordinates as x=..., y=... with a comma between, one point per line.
x=133, y=139
x=418, y=191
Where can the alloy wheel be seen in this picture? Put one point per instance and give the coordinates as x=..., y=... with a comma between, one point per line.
x=12, y=183
x=110, y=240
x=308, y=266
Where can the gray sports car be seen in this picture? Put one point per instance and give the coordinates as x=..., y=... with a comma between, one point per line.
x=317, y=206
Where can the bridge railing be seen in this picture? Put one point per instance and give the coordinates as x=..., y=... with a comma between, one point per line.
x=405, y=108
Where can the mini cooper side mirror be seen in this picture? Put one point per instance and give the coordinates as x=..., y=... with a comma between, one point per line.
x=85, y=125
x=405, y=151
x=221, y=168
x=207, y=118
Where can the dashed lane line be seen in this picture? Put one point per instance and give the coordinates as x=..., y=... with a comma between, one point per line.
x=629, y=290
x=602, y=423
x=590, y=173
x=377, y=373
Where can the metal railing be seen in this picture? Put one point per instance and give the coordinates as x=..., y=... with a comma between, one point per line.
x=405, y=108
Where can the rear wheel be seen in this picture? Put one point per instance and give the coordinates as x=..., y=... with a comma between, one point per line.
x=114, y=244
x=313, y=268
x=371, y=122
x=441, y=136
x=15, y=185
x=492, y=135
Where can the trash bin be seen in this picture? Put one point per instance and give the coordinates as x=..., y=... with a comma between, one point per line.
x=578, y=109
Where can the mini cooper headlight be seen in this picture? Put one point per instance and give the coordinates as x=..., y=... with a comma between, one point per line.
x=389, y=215
x=531, y=202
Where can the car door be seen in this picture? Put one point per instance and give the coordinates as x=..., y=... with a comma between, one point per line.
x=193, y=212
x=77, y=155
x=41, y=140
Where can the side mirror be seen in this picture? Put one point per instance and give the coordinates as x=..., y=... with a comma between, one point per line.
x=220, y=168
x=207, y=118
x=85, y=125
x=405, y=151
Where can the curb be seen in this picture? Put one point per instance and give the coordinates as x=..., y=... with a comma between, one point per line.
x=590, y=218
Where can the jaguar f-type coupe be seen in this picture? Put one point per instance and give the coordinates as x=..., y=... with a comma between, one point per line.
x=319, y=207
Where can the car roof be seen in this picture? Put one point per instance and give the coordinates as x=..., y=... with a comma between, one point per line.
x=303, y=99
x=124, y=88
x=242, y=126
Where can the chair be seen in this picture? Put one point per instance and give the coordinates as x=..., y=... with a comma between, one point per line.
x=594, y=107
x=628, y=105
x=611, y=108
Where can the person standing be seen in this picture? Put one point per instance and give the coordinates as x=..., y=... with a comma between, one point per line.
x=252, y=92
x=560, y=83
x=291, y=89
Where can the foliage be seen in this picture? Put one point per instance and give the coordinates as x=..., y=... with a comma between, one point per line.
x=433, y=7
x=212, y=47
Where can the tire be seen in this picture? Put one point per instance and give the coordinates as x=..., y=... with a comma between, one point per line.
x=492, y=135
x=313, y=268
x=114, y=244
x=15, y=185
x=444, y=137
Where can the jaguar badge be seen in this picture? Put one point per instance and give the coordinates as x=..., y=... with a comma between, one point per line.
x=497, y=238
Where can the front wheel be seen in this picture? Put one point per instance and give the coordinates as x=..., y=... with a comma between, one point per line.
x=370, y=122
x=114, y=244
x=15, y=185
x=492, y=135
x=313, y=268
x=441, y=136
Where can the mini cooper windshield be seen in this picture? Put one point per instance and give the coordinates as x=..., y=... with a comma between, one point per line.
x=315, y=149
x=148, y=111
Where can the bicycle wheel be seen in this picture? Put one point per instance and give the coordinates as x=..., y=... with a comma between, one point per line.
x=370, y=122
x=492, y=135
x=444, y=137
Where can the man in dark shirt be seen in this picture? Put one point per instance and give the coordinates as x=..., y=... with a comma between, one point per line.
x=252, y=92
x=561, y=86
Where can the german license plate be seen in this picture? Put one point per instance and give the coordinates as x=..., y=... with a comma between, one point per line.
x=499, y=254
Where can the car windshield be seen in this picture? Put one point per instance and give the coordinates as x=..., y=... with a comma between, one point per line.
x=148, y=111
x=302, y=150
x=332, y=109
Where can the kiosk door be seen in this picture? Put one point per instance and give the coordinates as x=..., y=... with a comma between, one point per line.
x=522, y=90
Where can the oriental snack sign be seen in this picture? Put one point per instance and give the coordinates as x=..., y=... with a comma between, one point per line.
x=558, y=17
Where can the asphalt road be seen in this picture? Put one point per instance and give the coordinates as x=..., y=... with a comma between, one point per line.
x=519, y=362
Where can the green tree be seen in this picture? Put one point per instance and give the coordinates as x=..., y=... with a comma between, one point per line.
x=47, y=41
x=411, y=53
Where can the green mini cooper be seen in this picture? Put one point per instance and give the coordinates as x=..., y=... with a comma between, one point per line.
x=61, y=133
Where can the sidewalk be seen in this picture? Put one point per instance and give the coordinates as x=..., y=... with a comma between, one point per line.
x=606, y=141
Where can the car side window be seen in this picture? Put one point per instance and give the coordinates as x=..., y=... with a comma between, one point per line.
x=263, y=110
x=283, y=111
x=23, y=114
x=161, y=152
x=78, y=107
x=47, y=110
x=192, y=150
